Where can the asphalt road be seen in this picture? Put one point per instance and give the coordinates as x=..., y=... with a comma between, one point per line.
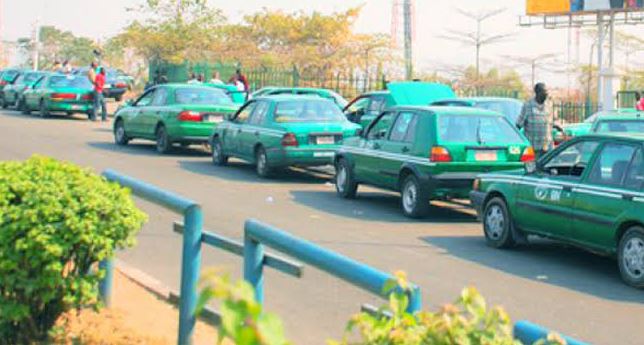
x=559, y=287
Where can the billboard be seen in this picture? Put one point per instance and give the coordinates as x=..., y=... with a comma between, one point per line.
x=542, y=7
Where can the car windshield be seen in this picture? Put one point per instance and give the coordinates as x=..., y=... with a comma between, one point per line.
x=618, y=126
x=477, y=129
x=307, y=111
x=193, y=95
x=9, y=75
x=69, y=81
x=511, y=109
x=31, y=77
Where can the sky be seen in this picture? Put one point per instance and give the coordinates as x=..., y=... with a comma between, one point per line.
x=100, y=19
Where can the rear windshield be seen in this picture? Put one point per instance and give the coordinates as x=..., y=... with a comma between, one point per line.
x=617, y=126
x=477, y=129
x=307, y=111
x=69, y=81
x=31, y=77
x=9, y=75
x=193, y=95
x=510, y=109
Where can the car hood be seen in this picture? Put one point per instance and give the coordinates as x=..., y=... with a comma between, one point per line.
x=419, y=93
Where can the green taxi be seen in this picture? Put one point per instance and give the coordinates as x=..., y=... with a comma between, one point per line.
x=12, y=93
x=576, y=129
x=58, y=93
x=308, y=91
x=366, y=107
x=588, y=192
x=280, y=131
x=619, y=123
x=173, y=113
x=429, y=153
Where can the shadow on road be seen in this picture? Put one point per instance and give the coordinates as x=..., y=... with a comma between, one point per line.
x=244, y=172
x=377, y=207
x=147, y=149
x=54, y=116
x=547, y=262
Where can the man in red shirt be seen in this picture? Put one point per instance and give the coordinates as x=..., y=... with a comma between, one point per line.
x=99, y=100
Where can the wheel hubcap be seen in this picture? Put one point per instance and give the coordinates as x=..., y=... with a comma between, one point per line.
x=261, y=162
x=410, y=193
x=634, y=257
x=215, y=151
x=161, y=139
x=341, y=178
x=494, y=222
x=120, y=133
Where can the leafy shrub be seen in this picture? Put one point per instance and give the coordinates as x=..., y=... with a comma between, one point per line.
x=56, y=221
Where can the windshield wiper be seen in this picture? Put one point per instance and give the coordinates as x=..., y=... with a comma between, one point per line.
x=479, y=139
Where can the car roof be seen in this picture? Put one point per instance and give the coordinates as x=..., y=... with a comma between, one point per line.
x=492, y=99
x=639, y=137
x=621, y=115
x=442, y=110
x=287, y=97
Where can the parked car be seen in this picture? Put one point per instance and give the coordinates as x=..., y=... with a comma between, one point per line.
x=588, y=126
x=510, y=107
x=308, y=91
x=619, y=123
x=429, y=153
x=366, y=107
x=7, y=77
x=116, y=84
x=12, y=93
x=59, y=93
x=172, y=113
x=588, y=192
x=279, y=131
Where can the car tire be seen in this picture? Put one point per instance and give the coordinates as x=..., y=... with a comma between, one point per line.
x=498, y=226
x=16, y=103
x=3, y=103
x=120, y=136
x=414, y=199
x=261, y=163
x=630, y=257
x=345, y=184
x=21, y=105
x=25, y=108
x=43, y=113
x=163, y=144
x=217, y=152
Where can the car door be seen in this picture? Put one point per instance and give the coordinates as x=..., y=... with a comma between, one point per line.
x=368, y=158
x=397, y=148
x=32, y=96
x=11, y=90
x=152, y=114
x=546, y=198
x=252, y=132
x=607, y=191
x=135, y=123
x=231, y=133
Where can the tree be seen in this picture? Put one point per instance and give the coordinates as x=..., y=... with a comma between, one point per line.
x=58, y=45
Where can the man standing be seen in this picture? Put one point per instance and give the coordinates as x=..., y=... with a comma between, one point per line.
x=91, y=72
x=536, y=122
x=99, y=100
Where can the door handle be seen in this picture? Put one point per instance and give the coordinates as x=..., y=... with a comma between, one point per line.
x=405, y=149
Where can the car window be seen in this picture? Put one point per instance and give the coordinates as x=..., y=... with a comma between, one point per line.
x=30, y=78
x=572, y=160
x=377, y=104
x=616, y=126
x=635, y=173
x=378, y=129
x=472, y=128
x=307, y=110
x=160, y=97
x=201, y=95
x=20, y=79
x=146, y=99
x=259, y=113
x=404, y=123
x=360, y=103
x=611, y=164
x=511, y=109
x=244, y=113
x=39, y=83
x=69, y=81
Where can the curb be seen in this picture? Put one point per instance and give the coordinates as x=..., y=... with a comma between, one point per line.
x=161, y=291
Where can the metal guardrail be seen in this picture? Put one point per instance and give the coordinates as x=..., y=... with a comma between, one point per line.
x=256, y=236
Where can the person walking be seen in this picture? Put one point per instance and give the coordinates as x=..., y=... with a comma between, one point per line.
x=99, y=100
x=535, y=121
x=639, y=102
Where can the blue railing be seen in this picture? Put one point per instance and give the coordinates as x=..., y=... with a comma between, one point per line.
x=256, y=236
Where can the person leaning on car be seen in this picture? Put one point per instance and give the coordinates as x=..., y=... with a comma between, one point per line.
x=535, y=121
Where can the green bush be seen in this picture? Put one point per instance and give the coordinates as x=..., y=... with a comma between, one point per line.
x=56, y=221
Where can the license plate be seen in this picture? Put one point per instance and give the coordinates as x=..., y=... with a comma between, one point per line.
x=75, y=107
x=322, y=140
x=214, y=119
x=323, y=154
x=485, y=156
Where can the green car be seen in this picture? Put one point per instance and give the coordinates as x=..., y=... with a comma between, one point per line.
x=619, y=123
x=12, y=93
x=58, y=93
x=238, y=97
x=173, y=113
x=366, y=107
x=588, y=192
x=279, y=131
x=576, y=129
x=308, y=91
x=428, y=153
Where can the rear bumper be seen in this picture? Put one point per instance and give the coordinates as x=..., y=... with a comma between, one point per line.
x=476, y=199
x=301, y=156
x=191, y=131
x=451, y=185
x=81, y=108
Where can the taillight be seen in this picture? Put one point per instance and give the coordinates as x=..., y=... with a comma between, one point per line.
x=289, y=139
x=120, y=85
x=528, y=154
x=3, y=82
x=189, y=115
x=57, y=95
x=88, y=96
x=440, y=154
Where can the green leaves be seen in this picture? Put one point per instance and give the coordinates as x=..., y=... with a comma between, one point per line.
x=56, y=221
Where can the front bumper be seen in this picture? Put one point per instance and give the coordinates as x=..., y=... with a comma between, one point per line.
x=301, y=156
x=476, y=199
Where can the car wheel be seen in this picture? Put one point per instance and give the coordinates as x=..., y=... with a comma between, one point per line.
x=163, y=141
x=44, y=113
x=630, y=256
x=20, y=105
x=16, y=103
x=261, y=163
x=120, y=137
x=3, y=103
x=25, y=108
x=345, y=184
x=217, y=151
x=414, y=199
x=497, y=224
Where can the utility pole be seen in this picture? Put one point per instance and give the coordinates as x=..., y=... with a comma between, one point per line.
x=3, y=57
x=35, y=39
x=407, y=15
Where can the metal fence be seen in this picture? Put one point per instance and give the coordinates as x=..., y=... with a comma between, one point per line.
x=569, y=112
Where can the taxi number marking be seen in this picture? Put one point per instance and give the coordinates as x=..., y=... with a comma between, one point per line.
x=555, y=195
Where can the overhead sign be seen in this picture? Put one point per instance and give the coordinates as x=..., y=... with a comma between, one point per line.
x=543, y=7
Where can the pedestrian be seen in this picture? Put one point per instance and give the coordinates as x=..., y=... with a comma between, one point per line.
x=57, y=66
x=193, y=79
x=639, y=102
x=239, y=76
x=99, y=99
x=216, y=78
x=66, y=68
x=91, y=72
x=201, y=78
x=535, y=121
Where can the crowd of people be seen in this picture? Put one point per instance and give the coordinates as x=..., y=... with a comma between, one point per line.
x=238, y=79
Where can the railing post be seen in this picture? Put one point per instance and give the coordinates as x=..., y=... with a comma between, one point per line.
x=105, y=285
x=254, y=266
x=415, y=300
x=190, y=267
